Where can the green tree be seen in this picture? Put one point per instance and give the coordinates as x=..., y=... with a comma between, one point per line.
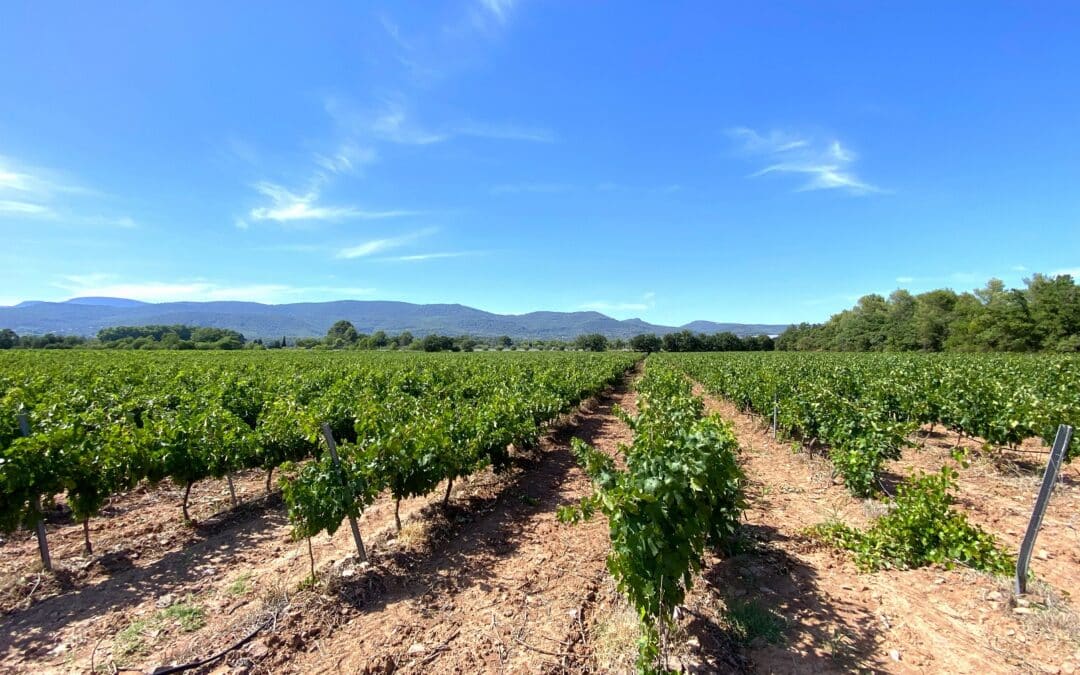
x=437, y=343
x=8, y=339
x=342, y=334
x=863, y=328
x=900, y=333
x=646, y=342
x=932, y=319
x=592, y=342
x=465, y=344
x=379, y=339
x=1054, y=304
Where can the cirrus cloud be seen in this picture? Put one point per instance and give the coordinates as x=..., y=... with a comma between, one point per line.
x=822, y=165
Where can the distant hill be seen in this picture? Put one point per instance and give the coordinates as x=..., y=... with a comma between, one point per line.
x=741, y=329
x=105, y=302
x=86, y=316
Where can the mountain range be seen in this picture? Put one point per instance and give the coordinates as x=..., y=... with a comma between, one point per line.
x=86, y=316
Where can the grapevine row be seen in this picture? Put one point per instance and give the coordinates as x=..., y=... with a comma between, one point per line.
x=681, y=490
x=864, y=406
x=100, y=423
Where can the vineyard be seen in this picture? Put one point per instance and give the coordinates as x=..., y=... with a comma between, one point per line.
x=102, y=425
x=864, y=407
x=518, y=506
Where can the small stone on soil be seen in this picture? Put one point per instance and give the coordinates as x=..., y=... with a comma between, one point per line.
x=258, y=649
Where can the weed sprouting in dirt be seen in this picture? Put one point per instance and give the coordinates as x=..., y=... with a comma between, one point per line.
x=750, y=621
x=921, y=529
x=241, y=585
x=189, y=616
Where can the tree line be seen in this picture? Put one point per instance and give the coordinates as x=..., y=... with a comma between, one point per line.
x=688, y=341
x=344, y=335
x=1042, y=316
x=133, y=337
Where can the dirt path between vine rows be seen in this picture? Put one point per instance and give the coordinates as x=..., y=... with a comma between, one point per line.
x=810, y=610
x=493, y=583
x=497, y=585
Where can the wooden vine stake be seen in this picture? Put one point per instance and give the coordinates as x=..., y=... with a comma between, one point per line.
x=775, y=412
x=232, y=490
x=329, y=436
x=43, y=544
x=1057, y=455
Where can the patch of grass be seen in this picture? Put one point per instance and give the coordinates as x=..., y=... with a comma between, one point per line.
x=139, y=636
x=749, y=621
x=413, y=534
x=614, y=638
x=1052, y=617
x=839, y=645
x=241, y=585
x=528, y=499
x=131, y=641
x=921, y=529
x=188, y=615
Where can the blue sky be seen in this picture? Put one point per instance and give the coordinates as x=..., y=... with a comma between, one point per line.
x=754, y=162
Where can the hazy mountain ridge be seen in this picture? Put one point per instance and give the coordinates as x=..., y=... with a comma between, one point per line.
x=86, y=316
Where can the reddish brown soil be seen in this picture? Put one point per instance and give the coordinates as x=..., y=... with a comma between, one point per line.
x=492, y=583
x=833, y=618
x=145, y=559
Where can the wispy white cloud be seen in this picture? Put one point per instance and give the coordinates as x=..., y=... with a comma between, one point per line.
x=32, y=181
x=481, y=17
x=374, y=246
x=421, y=257
x=1019, y=268
x=773, y=142
x=904, y=280
x=393, y=124
x=239, y=149
x=500, y=9
x=394, y=121
x=108, y=285
x=24, y=208
x=28, y=191
x=394, y=31
x=824, y=166
x=286, y=206
x=348, y=158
